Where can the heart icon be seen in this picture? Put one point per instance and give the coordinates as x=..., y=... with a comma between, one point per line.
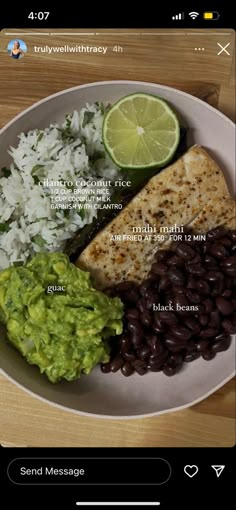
x=190, y=470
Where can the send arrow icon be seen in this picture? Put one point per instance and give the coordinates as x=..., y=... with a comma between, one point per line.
x=218, y=469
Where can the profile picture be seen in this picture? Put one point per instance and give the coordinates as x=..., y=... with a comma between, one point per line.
x=16, y=49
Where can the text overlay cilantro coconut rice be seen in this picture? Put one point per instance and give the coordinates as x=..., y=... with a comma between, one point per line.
x=72, y=151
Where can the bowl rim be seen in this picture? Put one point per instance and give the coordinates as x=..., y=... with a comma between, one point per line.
x=101, y=84
x=117, y=417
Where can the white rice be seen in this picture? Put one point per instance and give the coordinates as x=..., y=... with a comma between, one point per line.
x=72, y=151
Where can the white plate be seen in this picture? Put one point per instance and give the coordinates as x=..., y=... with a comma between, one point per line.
x=115, y=396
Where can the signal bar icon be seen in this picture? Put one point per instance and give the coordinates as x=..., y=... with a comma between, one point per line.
x=178, y=16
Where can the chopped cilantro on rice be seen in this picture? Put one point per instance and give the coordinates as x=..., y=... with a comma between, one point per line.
x=71, y=151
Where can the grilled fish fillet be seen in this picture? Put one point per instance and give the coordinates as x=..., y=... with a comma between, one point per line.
x=192, y=191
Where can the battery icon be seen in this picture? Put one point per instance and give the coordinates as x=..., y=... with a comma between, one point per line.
x=211, y=15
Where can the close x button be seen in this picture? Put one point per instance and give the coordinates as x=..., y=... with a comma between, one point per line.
x=92, y=471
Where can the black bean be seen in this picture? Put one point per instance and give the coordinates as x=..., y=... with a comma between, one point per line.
x=208, y=333
x=214, y=276
x=154, y=358
x=220, y=336
x=105, y=368
x=151, y=339
x=233, y=317
x=202, y=345
x=210, y=261
x=155, y=367
x=230, y=282
x=151, y=295
x=218, y=250
x=159, y=268
x=216, y=233
x=182, y=333
x=158, y=359
x=124, y=286
x=214, y=319
x=224, y=306
x=192, y=296
x=168, y=318
x=116, y=363
x=135, y=326
x=176, y=359
x=202, y=287
x=144, y=352
x=174, y=344
x=185, y=251
x=195, y=259
x=137, y=339
x=127, y=369
x=176, y=261
x=169, y=370
x=146, y=284
x=153, y=277
x=229, y=326
x=129, y=356
x=132, y=313
x=141, y=305
x=139, y=366
x=162, y=255
x=203, y=319
x=125, y=343
x=158, y=326
x=192, y=282
x=233, y=235
x=146, y=318
x=164, y=283
x=157, y=348
x=230, y=271
x=169, y=302
x=196, y=269
x=200, y=309
x=218, y=288
x=177, y=290
x=175, y=245
x=131, y=296
x=190, y=346
x=207, y=246
x=191, y=356
x=208, y=305
x=180, y=302
x=226, y=242
x=176, y=277
x=221, y=345
x=227, y=293
x=149, y=303
x=125, y=336
x=193, y=325
x=208, y=355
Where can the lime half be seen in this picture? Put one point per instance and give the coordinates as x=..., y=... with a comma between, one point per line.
x=141, y=131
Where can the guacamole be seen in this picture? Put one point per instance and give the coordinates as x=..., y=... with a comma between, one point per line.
x=55, y=317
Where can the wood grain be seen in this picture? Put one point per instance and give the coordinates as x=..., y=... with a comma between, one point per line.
x=26, y=421
x=166, y=59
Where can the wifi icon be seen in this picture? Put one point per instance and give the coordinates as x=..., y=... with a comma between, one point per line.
x=193, y=15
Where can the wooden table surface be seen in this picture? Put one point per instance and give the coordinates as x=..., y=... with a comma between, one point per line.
x=168, y=58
